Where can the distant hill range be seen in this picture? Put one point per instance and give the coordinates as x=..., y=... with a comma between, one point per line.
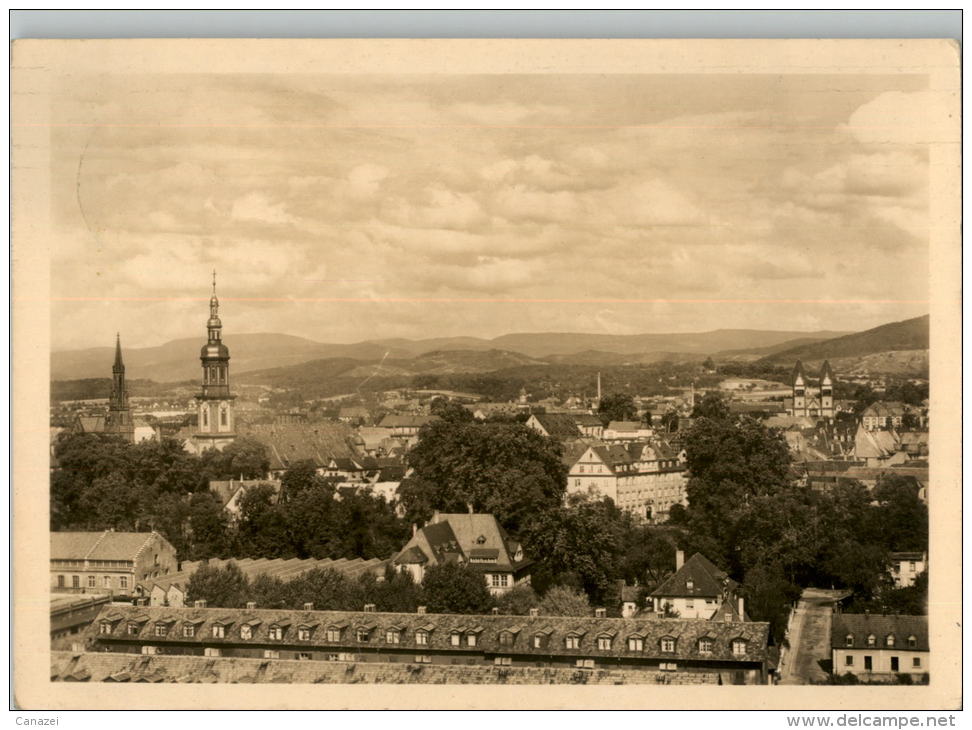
x=909, y=339
x=179, y=359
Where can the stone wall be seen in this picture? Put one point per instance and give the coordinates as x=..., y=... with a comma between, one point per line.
x=110, y=667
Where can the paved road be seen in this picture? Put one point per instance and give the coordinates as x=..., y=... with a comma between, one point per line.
x=809, y=638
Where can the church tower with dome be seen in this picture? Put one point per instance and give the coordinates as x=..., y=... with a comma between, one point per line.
x=215, y=427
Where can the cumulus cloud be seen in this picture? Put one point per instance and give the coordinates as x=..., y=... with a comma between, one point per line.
x=388, y=192
x=256, y=207
x=902, y=118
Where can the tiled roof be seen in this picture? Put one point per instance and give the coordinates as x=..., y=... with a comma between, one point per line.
x=685, y=632
x=908, y=556
x=729, y=608
x=885, y=409
x=614, y=456
x=394, y=420
x=874, y=444
x=861, y=625
x=558, y=425
x=91, y=424
x=225, y=489
x=289, y=443
x=624, y=426
x=586, y=419
x=707, y=580
x=461, y=536
x=107, y=545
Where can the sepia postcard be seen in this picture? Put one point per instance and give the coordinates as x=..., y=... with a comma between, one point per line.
x=609, y=374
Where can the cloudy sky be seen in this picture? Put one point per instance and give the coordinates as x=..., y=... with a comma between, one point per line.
x=343, y=208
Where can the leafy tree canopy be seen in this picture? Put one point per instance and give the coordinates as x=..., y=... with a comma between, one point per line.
x=617, y=407
x=565, y=601
x=455, y=588
x=504, y=469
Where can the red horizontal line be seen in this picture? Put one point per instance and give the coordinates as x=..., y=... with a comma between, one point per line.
x=483, y=300
x=174, y=125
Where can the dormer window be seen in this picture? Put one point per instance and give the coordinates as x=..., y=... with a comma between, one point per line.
x=705, y=645
x=541, y=639
x=912, y=642
x=161, y=629
x=871, y=640
x=219, y=631
x=363, y=634
x=604, y=643
x=333, y=633
x=849, y=640
x=889, y=640
x=667, y=645
x=455, y=638
x=636, y=643
x=304, y=632
x=572, y=641
x=738, y=646
x=106, y=627
x=690, y=585
x=246, y=631
x=134, y=628
x=393, y=636
x=422, y=636
x=508, y=638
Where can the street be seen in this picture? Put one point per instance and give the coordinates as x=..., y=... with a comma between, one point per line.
x=809, y=638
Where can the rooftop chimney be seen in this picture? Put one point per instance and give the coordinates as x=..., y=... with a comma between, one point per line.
x=369, y=608
x=201, y=603
x=414, y=529
x=470, y=507
x=534, y=612
x=250, y=605
x=308, y=606
x=600, y=613
x=420, y=609
x=742, y=610
x=679, y=559
x=495, y=610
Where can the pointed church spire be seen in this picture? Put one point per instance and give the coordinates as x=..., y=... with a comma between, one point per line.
x=798, y=377
x=119, y=366
x=825, y=372
x=119, y=419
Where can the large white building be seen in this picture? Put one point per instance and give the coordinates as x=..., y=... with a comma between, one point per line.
x=645, y=479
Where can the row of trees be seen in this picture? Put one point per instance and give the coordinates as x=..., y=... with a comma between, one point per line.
x=748, y=515
x=105, y=483
x=446, y=588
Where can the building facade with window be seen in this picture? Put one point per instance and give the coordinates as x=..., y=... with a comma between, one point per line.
x=476, y=540
x=878, y=648
x=906, y=567
x=108, y=562
x=698, y=589
x=643, y=478
x=736, y=652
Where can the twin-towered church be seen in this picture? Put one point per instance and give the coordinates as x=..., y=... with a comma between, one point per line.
x=215, y=425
